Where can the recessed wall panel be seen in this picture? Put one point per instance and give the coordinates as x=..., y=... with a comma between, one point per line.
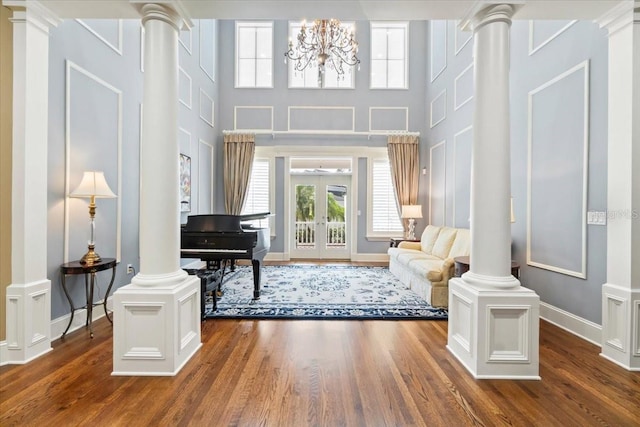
x=462, y=143
x=207, y=47
x=205, y=177
x=438, y=49
x=437, y=187
x=558, y=149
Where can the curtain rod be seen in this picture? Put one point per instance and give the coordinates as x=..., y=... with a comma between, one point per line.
x=320, y=132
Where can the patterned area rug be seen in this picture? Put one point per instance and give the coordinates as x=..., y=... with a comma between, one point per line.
x=320, y=292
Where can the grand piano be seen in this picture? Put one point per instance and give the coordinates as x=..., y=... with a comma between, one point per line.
x=221, y=239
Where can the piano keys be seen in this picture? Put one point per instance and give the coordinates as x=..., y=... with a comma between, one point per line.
x=218, y=239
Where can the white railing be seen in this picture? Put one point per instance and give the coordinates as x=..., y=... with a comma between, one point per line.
x=336, y=234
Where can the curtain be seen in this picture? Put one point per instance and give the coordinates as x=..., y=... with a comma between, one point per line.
x=404, y=160
x=239, y=149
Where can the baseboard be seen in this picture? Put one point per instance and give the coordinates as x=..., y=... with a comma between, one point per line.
x=379, y=257
x=578, y=326
x=276, y=256
x=79, y=319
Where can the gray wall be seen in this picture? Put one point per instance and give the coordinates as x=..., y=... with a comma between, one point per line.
x=95, y=74
x=554, y=73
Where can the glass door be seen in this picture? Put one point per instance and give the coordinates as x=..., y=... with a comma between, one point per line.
x=320, y=210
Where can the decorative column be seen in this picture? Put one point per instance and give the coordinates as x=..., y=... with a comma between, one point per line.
x=493, y=321
x=157, y=316
x=621, y=293
x=29, y=295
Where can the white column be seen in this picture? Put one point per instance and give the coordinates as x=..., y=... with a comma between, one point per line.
x=29, y=295
x=493, y=321
x=621, y=293
x=157, y=316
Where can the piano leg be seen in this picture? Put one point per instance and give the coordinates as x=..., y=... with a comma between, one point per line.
x=256, y=278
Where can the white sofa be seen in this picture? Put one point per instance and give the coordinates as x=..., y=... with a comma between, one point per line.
x=426, y=266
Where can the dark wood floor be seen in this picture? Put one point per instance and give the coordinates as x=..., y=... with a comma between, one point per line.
x=317, y=373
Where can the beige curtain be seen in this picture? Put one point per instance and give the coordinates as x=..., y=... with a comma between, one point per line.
x=239, y=149
x=405, y=167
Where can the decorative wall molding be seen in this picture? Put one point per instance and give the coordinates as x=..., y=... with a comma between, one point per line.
x=455, y=170
x=251, y=111
x=616, y=332
x=441, y=112
x=116, y=46
x=467, y=77
x=70, y=67
x=438, y=28
x=539, y=144
x=441, y=145
x=462, y=38
x=184, y=88
x=513, y=318
x=389, y=110
x=207, y=64
x=184, y=141
x=142, y=33
x=207, y=108
x=205, y=175
x=186, y=40
x=533, y=49
x=322, y=114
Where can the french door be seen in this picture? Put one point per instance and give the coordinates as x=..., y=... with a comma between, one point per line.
x=320, y=211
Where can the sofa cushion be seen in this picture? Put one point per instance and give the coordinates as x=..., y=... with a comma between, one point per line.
x=428, y=238
x=422, y=267
x=406, y=257
x=462, y=244
x=442, y=246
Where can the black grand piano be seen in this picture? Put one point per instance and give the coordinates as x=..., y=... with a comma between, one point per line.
x=221, y=239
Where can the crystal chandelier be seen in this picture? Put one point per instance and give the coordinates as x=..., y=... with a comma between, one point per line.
x=326, y=42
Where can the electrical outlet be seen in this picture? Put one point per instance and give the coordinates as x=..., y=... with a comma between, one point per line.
x=129, y=269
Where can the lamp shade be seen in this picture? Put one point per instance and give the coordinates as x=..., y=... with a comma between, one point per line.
x=93, y=184
x=411, y=211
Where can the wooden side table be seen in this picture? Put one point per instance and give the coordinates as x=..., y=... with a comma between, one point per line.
x=89, y=271
x=462, y=266
x=395, y=241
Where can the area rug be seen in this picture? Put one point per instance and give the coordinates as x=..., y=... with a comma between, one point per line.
x=320, y=292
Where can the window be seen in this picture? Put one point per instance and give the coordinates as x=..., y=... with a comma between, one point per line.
x=389, y=55
x=308, y=78
x=257, y=200
x=383, y=219
x=254, y=54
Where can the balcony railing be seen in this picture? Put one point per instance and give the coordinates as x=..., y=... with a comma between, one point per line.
x=336, y=234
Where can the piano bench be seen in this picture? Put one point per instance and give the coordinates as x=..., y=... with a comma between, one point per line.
x=210, y=281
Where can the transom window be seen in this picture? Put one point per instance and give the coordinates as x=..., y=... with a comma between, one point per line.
x=254, y=54
x=389, y=49
x=308, y=78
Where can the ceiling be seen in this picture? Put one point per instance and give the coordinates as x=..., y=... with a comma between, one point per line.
x=341, y=9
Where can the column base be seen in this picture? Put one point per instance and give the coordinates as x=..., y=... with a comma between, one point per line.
x=156, y=330
x=28, y=321
x=621, y=326
x=494, y=333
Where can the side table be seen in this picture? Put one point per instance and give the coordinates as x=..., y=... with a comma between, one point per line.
x=395, y=241
x=462, y=266
x=89, y=271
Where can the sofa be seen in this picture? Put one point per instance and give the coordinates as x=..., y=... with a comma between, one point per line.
x=426, y=266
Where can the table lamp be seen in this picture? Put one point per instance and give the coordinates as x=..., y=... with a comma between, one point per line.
x=92, y=186
x=411, y=212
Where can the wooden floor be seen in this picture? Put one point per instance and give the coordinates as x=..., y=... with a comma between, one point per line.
x=317, y=373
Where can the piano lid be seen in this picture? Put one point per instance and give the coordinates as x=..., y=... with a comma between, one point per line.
x=219, y=222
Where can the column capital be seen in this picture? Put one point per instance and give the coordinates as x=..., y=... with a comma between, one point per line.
x=482, y=14
x=33, y=12
x=620, y=16
x=172, y=12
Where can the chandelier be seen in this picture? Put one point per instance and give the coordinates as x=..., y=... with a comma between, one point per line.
x=327, y=43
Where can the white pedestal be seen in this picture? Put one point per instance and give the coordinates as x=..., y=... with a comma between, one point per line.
x=156, y=329
x=494, y=333
x=621, y=326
